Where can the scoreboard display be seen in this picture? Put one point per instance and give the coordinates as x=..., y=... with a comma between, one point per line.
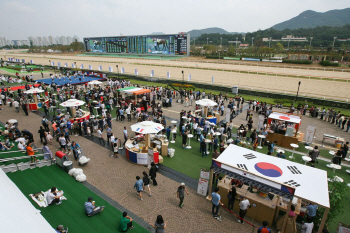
x=174, y=44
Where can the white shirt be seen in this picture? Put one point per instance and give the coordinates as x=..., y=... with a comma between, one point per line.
x=21, y=140
x=99, y=133
x=21, y=146
x=49, y=197
x=243, y=205
x=15, y=104
x=307, y=227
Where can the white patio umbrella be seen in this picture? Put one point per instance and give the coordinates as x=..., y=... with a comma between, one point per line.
x=72, y=103
x=94, y=82
x=146, y=128
x=206, y=103
x=34, y=91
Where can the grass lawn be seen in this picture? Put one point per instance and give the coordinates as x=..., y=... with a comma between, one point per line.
x=15, y=71
x=70, y=213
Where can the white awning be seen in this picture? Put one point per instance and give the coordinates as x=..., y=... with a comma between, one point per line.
x=310, y=183
x=285, y=117
x=17, y=213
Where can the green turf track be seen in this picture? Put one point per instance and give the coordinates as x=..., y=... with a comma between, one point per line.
x=70, y=213
x=154, y=57
x=20, y=73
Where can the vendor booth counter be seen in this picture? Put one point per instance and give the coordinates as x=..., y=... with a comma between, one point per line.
x=141, y=156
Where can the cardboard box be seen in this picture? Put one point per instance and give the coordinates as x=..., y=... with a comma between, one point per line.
x=160, y=159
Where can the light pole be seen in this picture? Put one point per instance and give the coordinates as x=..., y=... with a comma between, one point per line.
x=296, y=97
x=221, y=42
x=207, y=41
x=183, y=77
x=334, y=41
x=252, y=41
x=194, y=41
x=310, y=42
x=270, y=42
x=236, y=41
x=117, y=70
x=288, y=43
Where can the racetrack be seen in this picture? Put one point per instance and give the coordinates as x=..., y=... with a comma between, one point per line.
x=270, y=79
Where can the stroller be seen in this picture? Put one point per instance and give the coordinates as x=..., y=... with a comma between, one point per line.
x=78, y=153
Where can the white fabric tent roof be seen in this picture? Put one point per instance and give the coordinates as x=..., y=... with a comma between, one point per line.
x=17, y=214
x=310, y=183
x=285, y=117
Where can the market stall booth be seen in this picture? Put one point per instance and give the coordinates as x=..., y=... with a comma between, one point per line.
x=269, y=183
x=34, y=91
x=133, y=91
x=206, y=113
x=79, y=115
x=144, y=148
x=284, y=128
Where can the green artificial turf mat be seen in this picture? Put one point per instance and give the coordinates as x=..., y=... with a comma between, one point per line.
x=70, y=213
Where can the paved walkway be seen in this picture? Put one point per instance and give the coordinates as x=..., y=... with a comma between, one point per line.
x=116, y=177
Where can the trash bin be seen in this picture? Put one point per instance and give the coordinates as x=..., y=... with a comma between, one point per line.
x=235, y=90
x=338, y=144
x=60, y=158
x=67, y=165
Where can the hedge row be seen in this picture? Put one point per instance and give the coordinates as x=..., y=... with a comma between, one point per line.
x=328, y=63
x=297, y=61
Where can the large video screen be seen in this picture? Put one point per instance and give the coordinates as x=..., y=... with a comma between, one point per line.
x=177, y=44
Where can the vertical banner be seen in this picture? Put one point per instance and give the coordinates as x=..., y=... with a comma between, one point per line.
x=136, y=72
x=203, y=182
x=310, y=133
x=90, y=67
x=81, y=66
x=189, y=77
x=261, y=122
x=122, y=70
x=152, y=73
x=99, y=68
x=58, y=64
x=65, y=64
x=73, y=66
x=168, y=74
x=23, y=60
x=110, y=69
x=31, y=61
x=52, y=63
x=212, y=79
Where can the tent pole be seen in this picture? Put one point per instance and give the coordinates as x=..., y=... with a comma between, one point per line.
x=210, y=183
x=287, y=214
x=323, y=220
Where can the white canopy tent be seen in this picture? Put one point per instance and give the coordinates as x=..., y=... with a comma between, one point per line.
x=17, y=214
x=285, y=117
x=275, y=174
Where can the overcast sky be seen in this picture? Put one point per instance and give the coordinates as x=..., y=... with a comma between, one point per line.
x=88, y=18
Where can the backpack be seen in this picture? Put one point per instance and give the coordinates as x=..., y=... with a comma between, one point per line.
x=269, y=147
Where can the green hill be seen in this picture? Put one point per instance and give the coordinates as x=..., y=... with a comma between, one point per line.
x=198, y=32
x=312, y=19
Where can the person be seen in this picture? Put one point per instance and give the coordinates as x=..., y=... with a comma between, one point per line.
x=60, y=229
x=100, y=137
x=153, y=173
x=91, y=209
x=181, y=193
x=231, y=196
x=314, y=154
x=281, y=155
x=271, y=148
x=31, y=153
x=116, y=150
x=53, y=198
x=139, y=186
x=125, y=133
x=216, y=154
x=311, y=210
x=47, y=152
x=160, y=225
x=184, y=139
x=243, y=208
x=290, y=227
x=308, y=226
x=146, y=180
x=74, y=147
x=264, y=228
x=42, y=135
x=345, y=150
x=49, y=137
x=125, y=223
x=62, y=141
x=216, y=202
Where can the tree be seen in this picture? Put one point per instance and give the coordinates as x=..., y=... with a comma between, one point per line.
x=279, y=47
